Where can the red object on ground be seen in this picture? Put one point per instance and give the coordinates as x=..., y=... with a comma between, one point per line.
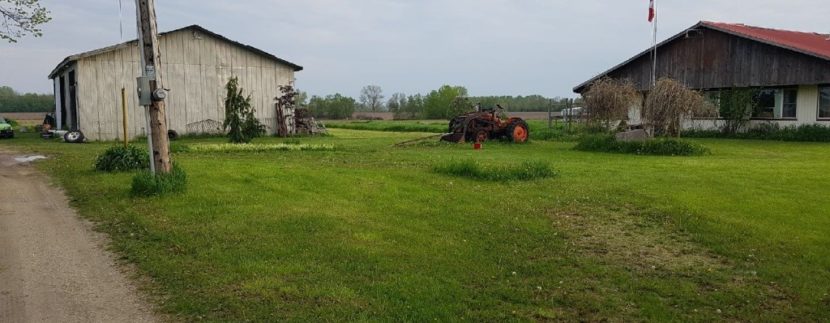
x=477, y=146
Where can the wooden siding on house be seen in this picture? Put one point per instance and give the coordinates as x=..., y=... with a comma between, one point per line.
x=704, y=58
x=195, y=68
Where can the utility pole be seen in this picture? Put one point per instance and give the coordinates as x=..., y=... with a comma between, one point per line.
x=151, y=89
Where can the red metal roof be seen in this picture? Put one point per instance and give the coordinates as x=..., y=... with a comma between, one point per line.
x=808, y=43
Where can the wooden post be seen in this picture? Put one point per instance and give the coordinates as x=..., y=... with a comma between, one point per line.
x=124, y=114
x=150, y=58
x=550, y=115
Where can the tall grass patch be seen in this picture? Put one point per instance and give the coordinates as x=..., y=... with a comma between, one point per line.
x=122, y=159
x=147, y=184
x=526, y=171
x=657, y=147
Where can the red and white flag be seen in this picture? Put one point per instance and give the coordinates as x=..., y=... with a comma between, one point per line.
x=651, y=11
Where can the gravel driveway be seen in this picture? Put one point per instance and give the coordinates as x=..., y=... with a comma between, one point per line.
x=53, y=267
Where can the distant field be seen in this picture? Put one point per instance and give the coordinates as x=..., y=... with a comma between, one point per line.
x=369, y=232
x=25, y=118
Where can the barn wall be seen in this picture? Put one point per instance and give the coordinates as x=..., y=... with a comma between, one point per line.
x=195, y=67
x=710, y=59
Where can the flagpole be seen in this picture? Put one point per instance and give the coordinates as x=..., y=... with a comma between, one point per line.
x=654, y=52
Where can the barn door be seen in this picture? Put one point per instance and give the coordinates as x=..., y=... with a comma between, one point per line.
x=73, y=102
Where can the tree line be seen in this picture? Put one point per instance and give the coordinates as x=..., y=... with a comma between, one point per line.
x=442, y=103
x=13, y=101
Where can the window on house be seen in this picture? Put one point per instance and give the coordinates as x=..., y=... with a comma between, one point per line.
x=775, y=103
x=712, y=98
x=824, y=102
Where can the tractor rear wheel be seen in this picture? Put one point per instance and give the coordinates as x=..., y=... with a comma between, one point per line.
x=518, y=131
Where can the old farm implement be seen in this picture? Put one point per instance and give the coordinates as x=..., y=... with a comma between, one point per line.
x=484, y=125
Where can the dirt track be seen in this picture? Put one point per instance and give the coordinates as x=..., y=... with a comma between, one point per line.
x=53, y=267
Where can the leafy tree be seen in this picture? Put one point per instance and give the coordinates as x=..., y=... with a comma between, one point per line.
x=19, y=18
x=438, y=103
x=330, y=107
x=530, y=103
x=371, y=98
x=240, y=121
x=396, y=103
x=411, y=108
x=459, y=105
x=12, y=101
x=301, y=98
x=735, y=108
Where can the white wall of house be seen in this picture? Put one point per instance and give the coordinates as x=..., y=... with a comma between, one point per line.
x=806, y=113
x=195, y=67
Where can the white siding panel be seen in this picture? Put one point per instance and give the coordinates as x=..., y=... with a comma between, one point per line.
x=196, y=70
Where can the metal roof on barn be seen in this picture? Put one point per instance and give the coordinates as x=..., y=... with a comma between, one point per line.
x=196, y=28
x=808, y=43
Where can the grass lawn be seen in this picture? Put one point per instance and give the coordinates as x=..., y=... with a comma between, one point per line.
x=371, y=232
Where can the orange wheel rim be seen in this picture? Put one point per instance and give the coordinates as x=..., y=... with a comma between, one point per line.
x=520, y=134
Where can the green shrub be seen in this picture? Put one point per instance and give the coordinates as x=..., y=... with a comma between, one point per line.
x=147, y=184
x=658, y=147
x=525, y=171
x=121, y=159
x=240, y=120
x=13, y=123
x=771, y=131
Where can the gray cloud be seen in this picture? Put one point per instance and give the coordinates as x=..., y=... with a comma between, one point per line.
x=490, y=46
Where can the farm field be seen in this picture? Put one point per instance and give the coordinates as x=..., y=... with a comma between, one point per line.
x=370, y=232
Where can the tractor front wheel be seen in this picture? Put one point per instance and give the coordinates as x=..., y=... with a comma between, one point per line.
x=518, y=132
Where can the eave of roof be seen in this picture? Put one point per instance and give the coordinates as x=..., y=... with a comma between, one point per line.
x=722, y=27
x=72, y=58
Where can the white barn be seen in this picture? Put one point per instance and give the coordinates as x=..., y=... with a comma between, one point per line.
x=195, y=66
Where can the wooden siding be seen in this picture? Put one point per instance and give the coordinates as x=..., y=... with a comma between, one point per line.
x=711, y=59
x=194, y=66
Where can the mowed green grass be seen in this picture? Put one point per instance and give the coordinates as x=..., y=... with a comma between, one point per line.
x=369, y=232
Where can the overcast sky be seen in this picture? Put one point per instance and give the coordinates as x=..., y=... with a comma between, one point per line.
x=493, y=47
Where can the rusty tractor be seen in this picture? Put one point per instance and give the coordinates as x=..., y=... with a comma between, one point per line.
x=484, y=125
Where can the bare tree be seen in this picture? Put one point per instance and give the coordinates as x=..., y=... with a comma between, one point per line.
x=608, y=100
x=371, y=97
x=668, y=104
x=19, y=18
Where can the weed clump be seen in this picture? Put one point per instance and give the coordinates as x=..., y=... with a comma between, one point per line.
x=122, y=159
x=526, y=171
x=657, y=147
x=147, y=184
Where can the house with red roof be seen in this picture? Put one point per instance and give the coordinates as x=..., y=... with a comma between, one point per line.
x=788, y=71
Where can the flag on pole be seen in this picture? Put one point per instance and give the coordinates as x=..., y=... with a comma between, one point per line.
x=652, y=18
x=651, y=12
